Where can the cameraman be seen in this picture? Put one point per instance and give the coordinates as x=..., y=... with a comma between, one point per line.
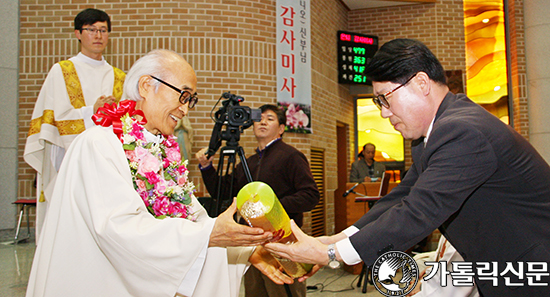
x=283, y=168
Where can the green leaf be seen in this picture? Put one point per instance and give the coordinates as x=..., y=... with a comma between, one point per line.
x=186, y=198
x=129, y=147
x=167, y=176
x=148, y=186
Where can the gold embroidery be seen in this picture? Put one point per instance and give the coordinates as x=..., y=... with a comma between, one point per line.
x=68, y=127
x=72, y=83
x=119, y=83
x=46, y=118
x=74, y=90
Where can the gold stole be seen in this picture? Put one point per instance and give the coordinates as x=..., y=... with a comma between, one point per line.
x=74, y=90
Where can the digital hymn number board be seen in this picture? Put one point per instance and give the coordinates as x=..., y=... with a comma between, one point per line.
x=354, y=52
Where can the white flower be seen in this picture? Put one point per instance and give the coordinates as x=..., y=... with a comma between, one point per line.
x=176, y=189
x=155, y=149
x=127, y=139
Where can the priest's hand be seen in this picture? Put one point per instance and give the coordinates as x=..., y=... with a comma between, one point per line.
x=306, y=249
x=313, y=270
x=266, y=264
x=102, y=100
x=227, y=232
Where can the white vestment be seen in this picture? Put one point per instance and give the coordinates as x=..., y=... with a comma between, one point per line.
x=99, y=239
x=433, y=287
x=58, y=117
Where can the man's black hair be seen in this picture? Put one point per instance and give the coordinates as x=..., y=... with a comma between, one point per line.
x=279, y=112
x=361, y=154
x=90, y=16
x=399, y=59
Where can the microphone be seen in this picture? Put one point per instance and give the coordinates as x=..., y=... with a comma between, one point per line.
x=350, y=190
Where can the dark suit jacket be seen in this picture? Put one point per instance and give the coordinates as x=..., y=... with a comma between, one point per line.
x=481, y=183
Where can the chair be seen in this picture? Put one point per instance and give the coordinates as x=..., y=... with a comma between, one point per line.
x=384, y=185
x=25, y=203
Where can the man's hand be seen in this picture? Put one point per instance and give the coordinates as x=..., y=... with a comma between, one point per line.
x=203, y=160
x=102, y=100
x=227, y=232
x=332, y=239
x=305, y=250
x=266, y=264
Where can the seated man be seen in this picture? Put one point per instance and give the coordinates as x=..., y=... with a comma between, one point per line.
x=366, y=169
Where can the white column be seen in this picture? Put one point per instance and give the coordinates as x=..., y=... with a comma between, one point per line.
x=537, y=53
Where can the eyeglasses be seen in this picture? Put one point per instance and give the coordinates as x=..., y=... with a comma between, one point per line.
x=94, y=31
x=381, y=100
x=185, y=95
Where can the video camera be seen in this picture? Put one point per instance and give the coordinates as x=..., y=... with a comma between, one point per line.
x=235, y=117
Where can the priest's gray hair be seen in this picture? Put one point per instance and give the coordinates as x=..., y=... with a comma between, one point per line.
x=156, y=63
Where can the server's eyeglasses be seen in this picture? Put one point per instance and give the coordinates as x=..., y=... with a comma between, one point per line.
x=93, y=30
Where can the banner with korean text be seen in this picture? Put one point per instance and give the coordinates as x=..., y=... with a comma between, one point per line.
x=294, y=63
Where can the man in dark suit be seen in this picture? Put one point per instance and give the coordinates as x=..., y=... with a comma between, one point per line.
x=475, y=178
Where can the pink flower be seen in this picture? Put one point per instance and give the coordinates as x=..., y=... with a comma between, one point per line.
x=160, y=207
x=141, y=185
x=141, y=152
x=131, y=155
x=182, y=179
x=170, y=183
x=152, y=177
x=173, y=154
x=160, y=186
x=171, y=142
x=144, y=196
x=136, y=131
x=182, y=169
x=296, y=117
x=148, y=163
x=166, y=163
x=176, y=208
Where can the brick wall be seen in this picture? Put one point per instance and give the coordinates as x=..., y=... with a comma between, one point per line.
x=230, y=44
x=331, y=102
x=518, y=67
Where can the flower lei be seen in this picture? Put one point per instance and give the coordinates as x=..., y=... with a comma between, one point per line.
x=159, y=175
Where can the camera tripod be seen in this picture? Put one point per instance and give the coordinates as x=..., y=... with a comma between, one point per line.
x=230, y=151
